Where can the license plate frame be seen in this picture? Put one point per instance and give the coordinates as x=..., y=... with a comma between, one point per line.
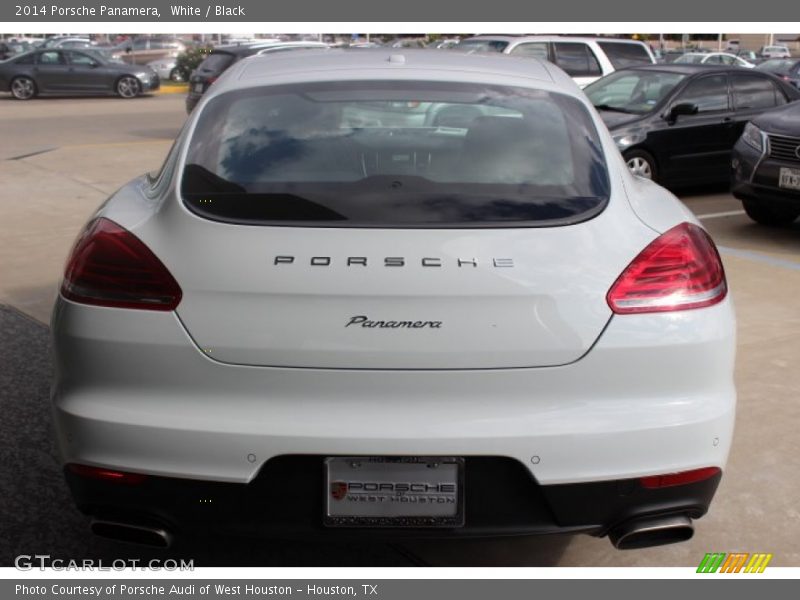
x=354, y=484
x=198, y=88
x=789, y=179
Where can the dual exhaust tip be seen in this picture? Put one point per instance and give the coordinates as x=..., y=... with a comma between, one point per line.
x=637, y=533
x=143, y=535
x=646, y=532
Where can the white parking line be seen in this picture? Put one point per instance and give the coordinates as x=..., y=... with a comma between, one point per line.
x=759, y=257
x=730, y=213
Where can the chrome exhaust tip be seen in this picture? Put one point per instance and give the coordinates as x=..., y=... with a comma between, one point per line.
x=651, y=531
x=132, y=534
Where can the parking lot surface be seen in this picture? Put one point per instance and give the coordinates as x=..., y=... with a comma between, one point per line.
x=60, y=158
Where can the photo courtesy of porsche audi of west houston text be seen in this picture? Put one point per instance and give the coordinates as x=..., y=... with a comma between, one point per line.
x=392, y=293
x=36, y=10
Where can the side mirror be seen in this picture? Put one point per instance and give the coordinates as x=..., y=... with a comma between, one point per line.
x=684, y=108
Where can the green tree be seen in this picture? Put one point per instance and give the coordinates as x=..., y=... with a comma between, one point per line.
x=188, y=61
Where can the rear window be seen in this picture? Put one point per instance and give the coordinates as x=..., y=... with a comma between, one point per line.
x=624, y=55
x=753, y=92
x=382, y=154
x=217, y=62
x=577, y=59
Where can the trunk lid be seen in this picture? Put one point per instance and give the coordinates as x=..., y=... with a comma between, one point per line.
x=303, y=297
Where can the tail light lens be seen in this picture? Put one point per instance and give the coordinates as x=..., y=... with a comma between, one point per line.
x=682, y=478
x=106, y=474
x=679, y=270
x=109, y=266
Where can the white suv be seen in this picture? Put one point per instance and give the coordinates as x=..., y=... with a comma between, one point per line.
x=775, y=52
x=392, y=293
x=584, y=59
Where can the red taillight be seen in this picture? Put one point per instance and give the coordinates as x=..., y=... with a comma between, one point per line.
x=682, y=478
x=109, y=266
x=107, y=474
x=679, y=270
x=211, y=80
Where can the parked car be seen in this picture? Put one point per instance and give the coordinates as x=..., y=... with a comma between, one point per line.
x=444, y=44
x=167, y=68
x=65, y=41
x=144, y=50
x=670, y=56
x=68, y=72
x=775, y=52
x=584, y=59
x=787, y=69
x=677, y=124
x=409, y=330
x=713, y=58
x=223, y=57
x=33, y=42
x=766, y=166
x=748, y=55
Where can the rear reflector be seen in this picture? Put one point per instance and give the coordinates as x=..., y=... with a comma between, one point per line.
x=109, y=266
x=679, y=270
x=682, y=478
x=106, y=474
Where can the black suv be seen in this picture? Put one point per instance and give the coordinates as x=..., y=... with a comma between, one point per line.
x=766, y=166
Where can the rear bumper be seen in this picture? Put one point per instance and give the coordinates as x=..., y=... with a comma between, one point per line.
x=132, y=392
x=655, y=395
x=286, y=500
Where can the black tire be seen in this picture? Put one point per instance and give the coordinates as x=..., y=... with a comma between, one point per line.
x=641, y=163
x=23, y=88
x=175, y=75
x=773, y=216
x=127, y=87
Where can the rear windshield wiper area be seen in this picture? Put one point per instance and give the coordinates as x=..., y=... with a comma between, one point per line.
x=383, y=201
x=610, y=108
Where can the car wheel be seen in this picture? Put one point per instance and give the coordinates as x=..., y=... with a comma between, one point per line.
x=641, y=164
x=23, y=88
x=770, y=215
x=128, y=87
x=175, y=75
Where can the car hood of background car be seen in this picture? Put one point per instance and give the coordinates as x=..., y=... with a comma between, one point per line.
x=783, y=121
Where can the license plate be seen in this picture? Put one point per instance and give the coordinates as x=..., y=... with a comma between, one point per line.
x=394, y=492
x=198, y=87
x=789, y=178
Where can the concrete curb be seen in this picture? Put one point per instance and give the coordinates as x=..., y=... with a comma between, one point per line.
x=173, y=89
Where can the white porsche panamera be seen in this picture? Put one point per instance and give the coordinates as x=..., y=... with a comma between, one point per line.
x=389, y=295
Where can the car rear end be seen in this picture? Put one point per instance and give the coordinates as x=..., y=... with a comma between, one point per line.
x=388, y=298
x=206, y=74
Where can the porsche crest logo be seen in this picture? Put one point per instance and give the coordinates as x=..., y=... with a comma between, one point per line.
x=338, y=490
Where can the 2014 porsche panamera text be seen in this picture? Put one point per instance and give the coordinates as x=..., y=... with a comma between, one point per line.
x=212, y=375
